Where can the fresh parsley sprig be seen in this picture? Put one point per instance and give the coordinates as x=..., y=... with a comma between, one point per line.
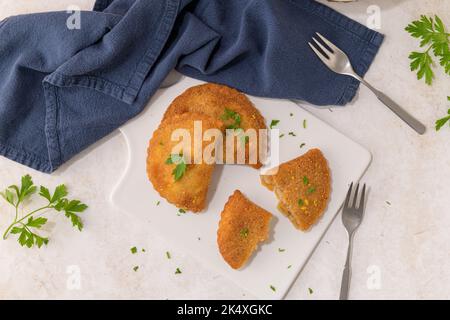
x=433, y=35
x=26, y=225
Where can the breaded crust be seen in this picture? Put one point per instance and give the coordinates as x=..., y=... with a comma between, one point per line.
x=302, y=186
x=242, y=226
x=190, y=191
x=212, y=99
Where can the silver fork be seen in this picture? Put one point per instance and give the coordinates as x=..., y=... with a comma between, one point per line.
x=338, y=61
x=352, y=214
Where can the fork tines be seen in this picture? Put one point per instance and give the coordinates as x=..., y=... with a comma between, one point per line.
x=359, y=206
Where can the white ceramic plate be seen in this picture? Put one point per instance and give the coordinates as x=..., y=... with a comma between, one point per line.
x=268, y=267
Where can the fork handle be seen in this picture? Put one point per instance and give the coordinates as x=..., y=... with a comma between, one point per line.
x=345, y=284
x=396, y=108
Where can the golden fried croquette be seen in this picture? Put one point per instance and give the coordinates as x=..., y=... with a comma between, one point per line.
x=242, y=226
x=302, y=186
x=190, y=190
x=225, y=104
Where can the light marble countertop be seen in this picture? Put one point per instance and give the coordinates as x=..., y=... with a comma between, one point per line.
x=402, y=249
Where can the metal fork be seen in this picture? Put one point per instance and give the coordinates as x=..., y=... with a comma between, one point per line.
x=338, y=61
x=352, y=215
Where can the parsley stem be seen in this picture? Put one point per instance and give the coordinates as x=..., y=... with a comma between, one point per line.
x=5, y=235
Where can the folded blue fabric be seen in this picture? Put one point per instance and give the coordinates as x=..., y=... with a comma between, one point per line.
x=62, y=89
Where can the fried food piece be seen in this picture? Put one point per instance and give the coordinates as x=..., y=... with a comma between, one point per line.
x=302, y=186
x=190, y=190
x=242, y=226
x=226, y=104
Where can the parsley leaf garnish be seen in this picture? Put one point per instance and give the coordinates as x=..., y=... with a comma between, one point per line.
x=244, y=232
x=274, y=123
x=26, y=225
x=273, y=288
x=311, y=190
x=432, y=33
x=180, y=168
x=177, y=271
x=305, y=180
x=441, y=122
x=133, y=250
x=233, y=115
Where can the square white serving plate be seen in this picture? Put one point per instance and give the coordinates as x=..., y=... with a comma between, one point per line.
x=268, y=267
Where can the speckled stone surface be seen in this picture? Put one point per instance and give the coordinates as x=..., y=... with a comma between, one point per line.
x=402, y=249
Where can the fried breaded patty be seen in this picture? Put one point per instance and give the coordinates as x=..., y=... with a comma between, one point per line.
x=190, y=191
x=302, y=186
x=215, y=100
x=243, y=225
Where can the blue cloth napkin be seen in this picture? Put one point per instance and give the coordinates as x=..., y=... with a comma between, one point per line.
x=62, y=89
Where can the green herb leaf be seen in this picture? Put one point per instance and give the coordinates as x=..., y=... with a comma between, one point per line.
x=244, y=232
x=305, y=180
x=168, y=255
x=36, y=223
x=178, y=271
x=274, y=123
x=422, y=62
x=24, y=226
x=273, y=288
x=311, y=190
x=60, y=192
x=304, y=123
x=230, y=114
x=133, y=250
x=300, y=202
x=432, y=33
x=441, y=122
x=135, y=268
x=281, y=250
x=310, y=291
x=180, y=168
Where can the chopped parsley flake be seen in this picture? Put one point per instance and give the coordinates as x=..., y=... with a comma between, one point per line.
x=302, y=145
x=273, y=123
x=304, y=124
x=310, y=291
x=300, y=202
x=292, y=134
x=281, y=250
x=305, y=180
x=168, y=255
x=244, y=232
x=311, y=190
x=177, y=271
x=135, y=268
x=133, y=250
x=273, y=288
